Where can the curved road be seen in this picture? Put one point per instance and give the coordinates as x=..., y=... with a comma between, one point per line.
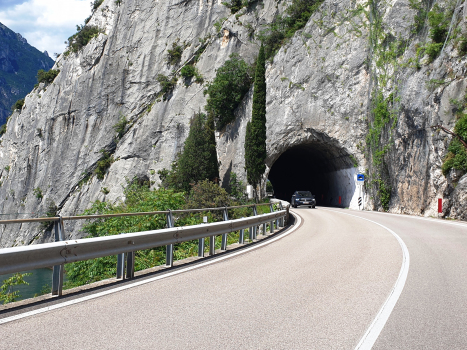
x=318, y=287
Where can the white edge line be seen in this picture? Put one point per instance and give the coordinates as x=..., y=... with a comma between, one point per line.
x=408, y=216
x=149, y=280
x=373, y=332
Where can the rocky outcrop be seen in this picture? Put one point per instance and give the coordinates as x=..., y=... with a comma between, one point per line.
x=321, y=91
x=19, y=63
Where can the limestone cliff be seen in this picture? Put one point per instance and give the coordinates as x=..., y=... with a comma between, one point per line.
x=322, y=88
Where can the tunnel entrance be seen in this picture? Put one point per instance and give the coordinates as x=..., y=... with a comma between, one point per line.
x=324, y=169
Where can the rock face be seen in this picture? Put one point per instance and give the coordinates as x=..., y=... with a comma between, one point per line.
x=322, y=87
x=19, y=63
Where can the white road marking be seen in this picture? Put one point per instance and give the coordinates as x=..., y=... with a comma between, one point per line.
x=373, y=332
x=128, y=286
x=435, y=220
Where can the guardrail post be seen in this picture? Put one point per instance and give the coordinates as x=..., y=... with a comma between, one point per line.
x=57, y=276
x=255, y=228
x=225, y=217
x=271, y=228
x=264, y=229
x=169, y=250
x=130, y=265
x=241, y=237
x=212, y=245
x=121, y=265
x=281, y=220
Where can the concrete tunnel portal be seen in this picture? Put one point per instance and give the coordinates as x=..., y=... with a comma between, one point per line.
x=325, y=170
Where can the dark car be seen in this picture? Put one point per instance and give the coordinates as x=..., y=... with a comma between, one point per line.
x=303, y=198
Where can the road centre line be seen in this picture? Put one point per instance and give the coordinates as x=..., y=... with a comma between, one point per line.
x=128, y=286
x=373, y=332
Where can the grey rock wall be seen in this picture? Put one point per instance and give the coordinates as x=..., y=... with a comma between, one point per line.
x=319, y=89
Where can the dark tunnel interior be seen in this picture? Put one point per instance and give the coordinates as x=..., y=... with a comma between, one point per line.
x=307, y=167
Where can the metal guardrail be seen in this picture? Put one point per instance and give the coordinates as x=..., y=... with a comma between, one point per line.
x=60, y=252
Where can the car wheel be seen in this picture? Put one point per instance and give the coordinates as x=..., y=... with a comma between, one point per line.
x=294, y=206
x=313, y=207
x=309, y=206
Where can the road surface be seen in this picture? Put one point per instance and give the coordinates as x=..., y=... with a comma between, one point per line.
x=319, y=287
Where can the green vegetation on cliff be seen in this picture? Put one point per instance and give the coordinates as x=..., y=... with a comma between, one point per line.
x=230, y=85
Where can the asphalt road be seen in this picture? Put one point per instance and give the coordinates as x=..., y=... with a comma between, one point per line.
x=317, y=288
x=432, y=310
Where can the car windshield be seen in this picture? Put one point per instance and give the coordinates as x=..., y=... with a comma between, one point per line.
x=304, y=194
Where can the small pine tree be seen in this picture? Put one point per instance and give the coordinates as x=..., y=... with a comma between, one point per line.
x=198, y=160
x=255, y=138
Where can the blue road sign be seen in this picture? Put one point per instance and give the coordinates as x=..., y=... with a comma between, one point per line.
x=360, y=177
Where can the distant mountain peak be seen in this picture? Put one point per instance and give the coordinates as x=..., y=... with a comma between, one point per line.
x=19, y=63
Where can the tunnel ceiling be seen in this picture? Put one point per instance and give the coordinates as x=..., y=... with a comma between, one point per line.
x=306, y=167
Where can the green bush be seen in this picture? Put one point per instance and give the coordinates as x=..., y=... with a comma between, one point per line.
x=103, y=164
x=284, y=27
x=137, y=199
x=433, y=50
x=120, y=127
x=2, y=129
x=95, y=5
x=174, y=56
x=207, y=194
x=7, y=292
x=457, y=154
x=47, y=77
x=83, y=36
x=462, y=45
x=38, y=193
x=18, y=104
x=188, y=71
x=167, y=84
x=230, y=85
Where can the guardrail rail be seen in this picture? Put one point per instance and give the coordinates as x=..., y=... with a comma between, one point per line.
x=60, y=252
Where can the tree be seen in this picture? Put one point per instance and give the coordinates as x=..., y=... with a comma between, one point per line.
x=231, y=83
x=255, y=138
x=198, y=160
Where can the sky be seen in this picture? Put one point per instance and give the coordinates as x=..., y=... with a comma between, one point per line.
x=45, y=24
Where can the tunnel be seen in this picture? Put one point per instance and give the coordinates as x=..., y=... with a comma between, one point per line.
x=327, y=171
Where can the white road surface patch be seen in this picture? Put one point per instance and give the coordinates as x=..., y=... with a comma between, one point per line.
x=373, y=332
x=128, y=286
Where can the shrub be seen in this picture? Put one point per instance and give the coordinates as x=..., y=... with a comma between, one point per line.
x=83, y=36
x=237, y=188
x=174, y=56
x=2, y=129
x=103, y=164
x=138, y=199
x=207, y=194
x=188, y=71
x=167, y=85
x=95, y=5
x=457, y=154
x=7, y=294
x=284, y=27
x=120, y=127
x=462, y=46
x=47, y=77
x=38, y=193
x=230, y=85
x=18, y=104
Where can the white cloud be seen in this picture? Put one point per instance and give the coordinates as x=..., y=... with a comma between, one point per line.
x=46, y=24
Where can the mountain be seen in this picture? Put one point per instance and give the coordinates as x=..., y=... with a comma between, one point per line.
x=356, y=88
x=19, y=63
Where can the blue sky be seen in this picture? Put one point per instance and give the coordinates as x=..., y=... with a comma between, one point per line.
x=45, y=24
